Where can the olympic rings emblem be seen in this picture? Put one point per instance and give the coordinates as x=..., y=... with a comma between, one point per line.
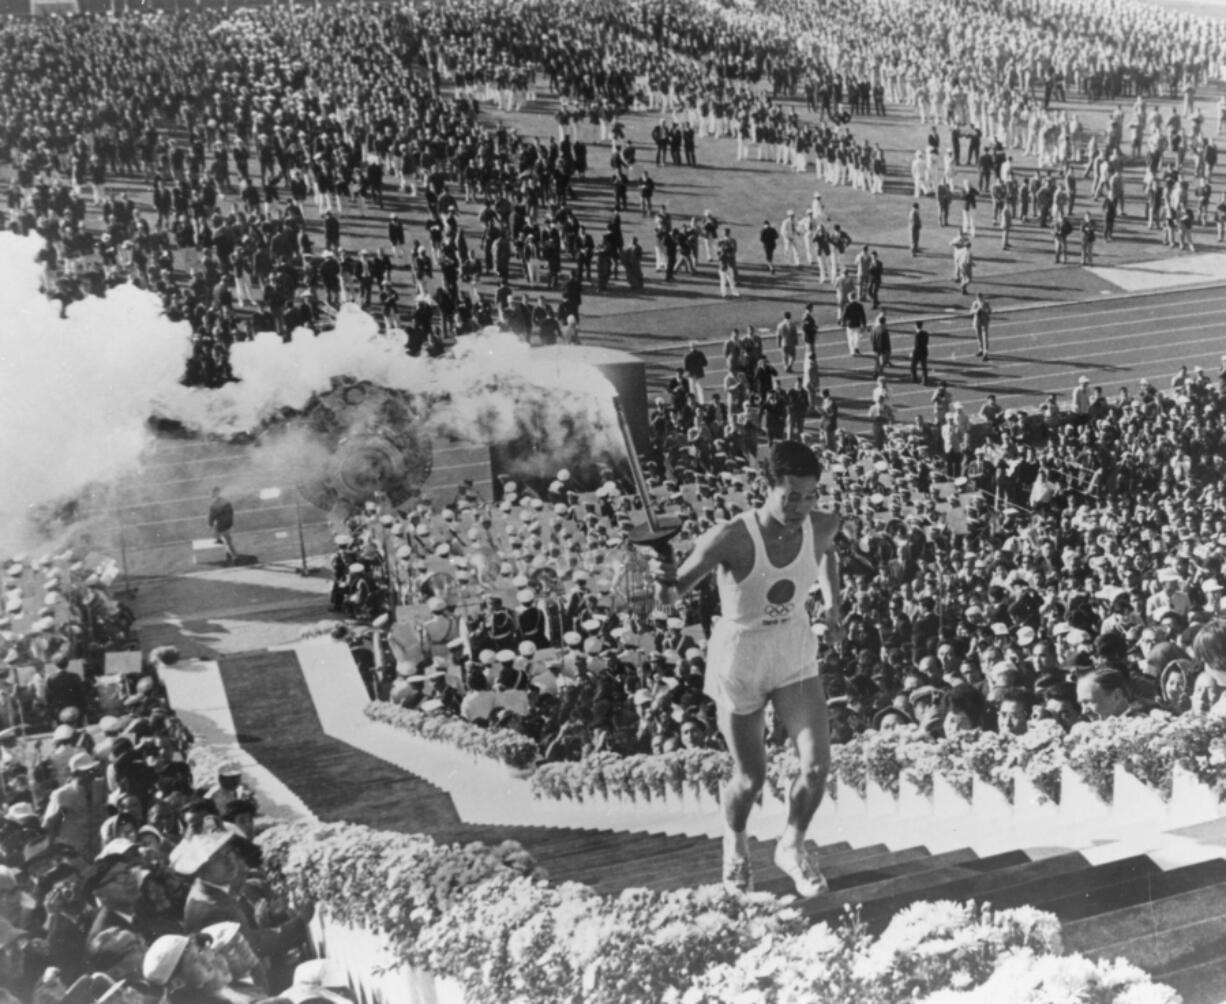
x=778, y=611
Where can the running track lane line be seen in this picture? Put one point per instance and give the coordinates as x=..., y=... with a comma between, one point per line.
x=1005, y=316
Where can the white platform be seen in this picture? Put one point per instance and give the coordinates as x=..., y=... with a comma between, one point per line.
x=1181, y=269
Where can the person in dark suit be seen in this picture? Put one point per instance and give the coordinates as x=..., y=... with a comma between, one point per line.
x=221, y=522
x=919, y=353
x=880, y=341
x=63, y=689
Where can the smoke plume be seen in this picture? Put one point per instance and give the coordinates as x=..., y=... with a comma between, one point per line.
x=76, y=394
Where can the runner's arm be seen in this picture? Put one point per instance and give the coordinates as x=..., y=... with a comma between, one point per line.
x=709, y=552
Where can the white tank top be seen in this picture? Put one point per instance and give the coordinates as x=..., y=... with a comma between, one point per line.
x=762, y=598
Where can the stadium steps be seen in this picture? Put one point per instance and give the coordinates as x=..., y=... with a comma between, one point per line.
x=1172, y=923
x=1198, y=976
x=1156, y=934
x=276, y=722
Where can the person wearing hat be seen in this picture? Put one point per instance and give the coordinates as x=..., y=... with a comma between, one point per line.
x=1213, y=592
x=499, y=625
x=344, y=557
x=239, y=815
x=246, y=971
x=480, y=701
x=762, y=650
x=229, y=788
x=579, y=601
x=314, y=983
x=187, y=969
x=674, y=639
x=76, y=810
x=359, y=591
x=530, y=618
x=114, y=883
x=212, y=862
x=117, y=952
x=1169, y=596
x=890, y=719
x=438, y=629
x=63, y=749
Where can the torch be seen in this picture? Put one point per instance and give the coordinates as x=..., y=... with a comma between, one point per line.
x=660, y=528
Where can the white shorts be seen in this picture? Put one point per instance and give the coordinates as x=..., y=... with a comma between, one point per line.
x=745, y=665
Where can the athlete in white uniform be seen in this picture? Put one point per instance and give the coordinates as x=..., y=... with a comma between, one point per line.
x=763, y=649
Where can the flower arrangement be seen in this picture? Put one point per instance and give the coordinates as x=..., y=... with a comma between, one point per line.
x=921, y=758
x=1028, y=977
x=847, y=770
x=567, y=943
x=605, y=775
x=934, y=952
x=485, y=916
x=992, y=758
x=504, y=745
x=1190, y=741
x=393, y=883
x=1041, y=756
x=930, y=945
x=883, y=763
x=1150, y=748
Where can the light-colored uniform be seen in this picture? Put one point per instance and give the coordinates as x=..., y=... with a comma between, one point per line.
x=758, y=647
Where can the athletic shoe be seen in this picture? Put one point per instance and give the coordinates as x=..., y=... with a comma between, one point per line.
x=800, y=865
x=738, y=872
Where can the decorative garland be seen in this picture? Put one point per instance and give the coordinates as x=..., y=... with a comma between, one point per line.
x=938, y=953
x=1149, y=748
x=640, y=776
x=486, y=917
x=504, y=745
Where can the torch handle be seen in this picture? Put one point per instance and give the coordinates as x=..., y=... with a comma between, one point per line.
x=667, y=598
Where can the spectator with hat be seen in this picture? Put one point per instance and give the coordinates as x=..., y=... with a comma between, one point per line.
x=113, y=881
x=76, y=810
x=186, y=969
x=212, y=863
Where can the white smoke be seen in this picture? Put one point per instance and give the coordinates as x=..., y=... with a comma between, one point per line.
x=493, y=387
x=76, y=394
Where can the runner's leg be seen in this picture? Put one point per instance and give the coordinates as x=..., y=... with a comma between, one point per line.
x=744, y=735
x=801, y=708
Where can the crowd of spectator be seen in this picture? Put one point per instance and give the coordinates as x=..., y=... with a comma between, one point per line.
x=126, y=873
x=64, y=621
x=1076, y=553
x=215, y=158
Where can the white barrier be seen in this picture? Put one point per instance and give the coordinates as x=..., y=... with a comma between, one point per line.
x=371, y=968
x=487, y=792
x=197, y=694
